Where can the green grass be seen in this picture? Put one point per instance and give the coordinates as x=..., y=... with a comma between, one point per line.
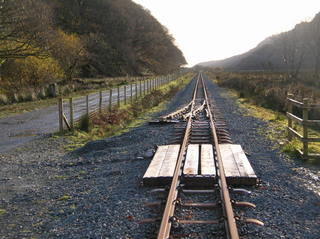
x=23, y=107
x=18, y=108
x=2, y=211
x=64, y=198
x=277, y=126
x=133, y=115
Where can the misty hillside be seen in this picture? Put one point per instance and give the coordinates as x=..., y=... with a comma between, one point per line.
x=293, y=50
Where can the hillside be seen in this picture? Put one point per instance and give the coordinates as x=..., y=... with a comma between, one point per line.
x=293, y=50
x=120, y=37
x=44, y=41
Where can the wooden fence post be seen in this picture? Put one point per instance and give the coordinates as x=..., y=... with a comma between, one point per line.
x=87, y=105
x=118, y=96
x=125, y=94
x=136, y=88
x=71, y=113
x=60, y=107
x=290, y=96
x=146, y=84
x=110, y=99
x=100, y=101
x=305, y=113
x=140, y=88
x=131, y=93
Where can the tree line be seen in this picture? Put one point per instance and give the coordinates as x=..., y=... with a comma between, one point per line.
x=42, y=41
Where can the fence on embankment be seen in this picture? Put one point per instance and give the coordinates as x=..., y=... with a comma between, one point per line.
x=71, y=110
x=307, y=124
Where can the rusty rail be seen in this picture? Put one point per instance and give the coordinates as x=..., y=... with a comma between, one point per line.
x=230, y=221
x=229, y=218
x=212, y=124
x=164, y=231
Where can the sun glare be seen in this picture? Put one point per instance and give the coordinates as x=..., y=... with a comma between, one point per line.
x=210, y=29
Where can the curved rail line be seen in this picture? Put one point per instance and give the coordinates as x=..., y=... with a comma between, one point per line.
x=198, y=115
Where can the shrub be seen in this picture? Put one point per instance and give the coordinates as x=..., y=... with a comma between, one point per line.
x=30, y=72
x=3, y=99
x=84, y=123
x=267, y=90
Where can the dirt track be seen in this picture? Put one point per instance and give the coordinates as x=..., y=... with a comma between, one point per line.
x=19, y=129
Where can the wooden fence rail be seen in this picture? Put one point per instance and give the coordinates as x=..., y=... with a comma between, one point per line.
x=72, y=110
x=305, y=122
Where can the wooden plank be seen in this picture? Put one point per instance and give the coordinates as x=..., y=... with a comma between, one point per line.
x=60, y=107
x=192, y=160
x=66, y=121
x=239, y=158
x=230, y=165
x=302, y=122
x=294, y=133
x=243, y=163
x=295, y=118
x=170, y=160
x=295, y=102
x=207, y=161
x=156, y=163
x=309, y=156
x=316, y=140
x=312, y=123
x=234, y=160
x=237, y=167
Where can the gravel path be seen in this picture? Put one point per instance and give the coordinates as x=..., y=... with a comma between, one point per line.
x=22, y=128
x=284, y=203
x=95, y=192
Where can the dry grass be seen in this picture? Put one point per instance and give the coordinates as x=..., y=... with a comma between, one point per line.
x=277, y=125
x=120, y=120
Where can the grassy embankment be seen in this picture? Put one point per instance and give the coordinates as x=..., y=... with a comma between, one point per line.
x=121, y=119
x=90, y=86
x=264, y=96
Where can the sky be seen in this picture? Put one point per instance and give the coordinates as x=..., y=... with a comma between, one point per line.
x=207, y=30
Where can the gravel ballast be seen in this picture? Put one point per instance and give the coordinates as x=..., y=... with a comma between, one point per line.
x=96, y=192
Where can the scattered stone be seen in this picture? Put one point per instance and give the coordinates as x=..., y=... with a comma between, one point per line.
x=102, y=198
x=149, y=153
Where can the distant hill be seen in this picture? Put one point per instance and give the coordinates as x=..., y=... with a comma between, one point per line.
x=293, y=50
x=121, y=37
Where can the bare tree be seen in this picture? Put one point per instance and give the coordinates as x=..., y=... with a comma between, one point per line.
x=314, y=43
x=293, y=52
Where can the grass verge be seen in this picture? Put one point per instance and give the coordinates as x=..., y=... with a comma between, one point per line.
x=19, y=108
x=277, y=123
x=121, y=119
x=23, y=107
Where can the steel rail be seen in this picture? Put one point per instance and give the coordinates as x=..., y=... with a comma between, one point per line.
x=165, y=226
x=229, y=218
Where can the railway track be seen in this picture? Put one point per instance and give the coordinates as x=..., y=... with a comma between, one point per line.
x=199, y=126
